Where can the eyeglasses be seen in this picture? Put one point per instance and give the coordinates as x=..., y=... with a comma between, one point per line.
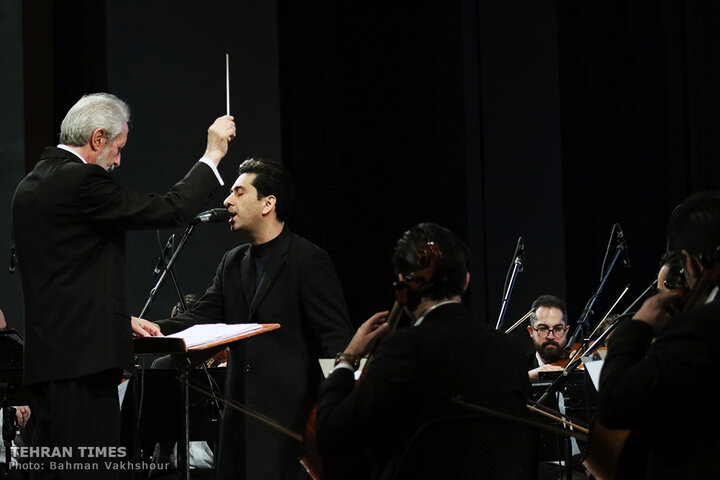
x=544, y=331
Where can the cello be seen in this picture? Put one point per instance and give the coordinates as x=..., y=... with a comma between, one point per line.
x=407, y=295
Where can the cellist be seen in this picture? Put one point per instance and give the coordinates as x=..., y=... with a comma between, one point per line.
x=416, y=371
x=660, y=370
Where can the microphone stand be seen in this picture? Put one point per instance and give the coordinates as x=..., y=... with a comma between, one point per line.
x=167, y=269
x=572, y=366
x=599, y=323
x=212, y=216
x=184, y=449
x=517, y=266
x=583, y=323
x=522, y=319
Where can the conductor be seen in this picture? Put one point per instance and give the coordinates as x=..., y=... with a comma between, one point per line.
x=78, y=330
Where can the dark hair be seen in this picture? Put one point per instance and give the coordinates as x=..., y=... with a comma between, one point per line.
x=694, y=226
x=548, y=301
x=272, y=179
x=449, y=278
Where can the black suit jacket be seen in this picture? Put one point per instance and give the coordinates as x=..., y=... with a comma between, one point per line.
x=69, y=220
x=532, y=361
x=414, y=374
x=663, y=391
x=277, y=372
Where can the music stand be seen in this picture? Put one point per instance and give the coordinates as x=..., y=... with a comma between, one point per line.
x=186, y=359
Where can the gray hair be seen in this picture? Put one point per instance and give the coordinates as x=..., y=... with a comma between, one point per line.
x=93, y=111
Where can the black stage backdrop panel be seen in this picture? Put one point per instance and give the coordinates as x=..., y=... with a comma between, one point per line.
x=12, y=163
x=387, y=116
x=639, y=83
x=167, y=60
x=373, y=131
x=368, y=109
x=522, y=179
x=445, y=112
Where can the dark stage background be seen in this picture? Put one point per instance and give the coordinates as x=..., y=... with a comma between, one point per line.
x=548, y=120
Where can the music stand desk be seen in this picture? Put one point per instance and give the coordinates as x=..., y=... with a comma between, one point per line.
x=187, y=359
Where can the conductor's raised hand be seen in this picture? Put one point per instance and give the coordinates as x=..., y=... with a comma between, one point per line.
x=375, y=326
x=145, y=328
x=220, y=133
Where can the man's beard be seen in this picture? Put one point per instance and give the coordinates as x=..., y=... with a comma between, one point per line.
x=550, y=354
x=102, y=158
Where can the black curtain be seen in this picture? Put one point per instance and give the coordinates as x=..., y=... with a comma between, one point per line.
x=372, y=131
x=640, y=118
x=551, y=120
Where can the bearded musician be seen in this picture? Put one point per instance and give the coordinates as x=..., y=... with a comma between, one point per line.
x=657, y=376
x=548, y=331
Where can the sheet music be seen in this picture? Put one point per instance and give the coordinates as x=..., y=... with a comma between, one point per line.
x=593, y=365
x=211, y=332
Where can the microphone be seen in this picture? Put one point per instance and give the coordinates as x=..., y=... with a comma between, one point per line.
x=13, y=259
x=622, y=244
x=165, y=255
x=216, y=215
x=520, y=254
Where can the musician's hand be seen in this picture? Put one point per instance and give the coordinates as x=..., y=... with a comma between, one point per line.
x=220, y=133
x=374, y=326
x=22, y=413
x=534, y=374
x=657, y=310
x=145, y=328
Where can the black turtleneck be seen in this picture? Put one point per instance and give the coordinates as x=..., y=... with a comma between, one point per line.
x=261, y=254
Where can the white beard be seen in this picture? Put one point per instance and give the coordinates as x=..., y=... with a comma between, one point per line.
x=102, y=158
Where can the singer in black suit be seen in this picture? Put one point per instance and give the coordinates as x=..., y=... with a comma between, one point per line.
x=278, y=277
x=660, y=364
x=69, y=218
x=416, y=372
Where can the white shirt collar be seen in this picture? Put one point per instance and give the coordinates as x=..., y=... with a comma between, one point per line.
x=68, y=149
x=712, y=295
x=422, y=317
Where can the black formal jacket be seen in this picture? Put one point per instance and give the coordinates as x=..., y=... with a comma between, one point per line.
x=69, y=220
x=414, y=374
x=532, y=361
x=664, y=391
x=275, y=373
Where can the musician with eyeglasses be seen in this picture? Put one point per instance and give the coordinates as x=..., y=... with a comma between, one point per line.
x=548, y=331
x=671, y=275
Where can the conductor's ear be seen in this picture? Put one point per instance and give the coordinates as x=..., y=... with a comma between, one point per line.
x=98, y=139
